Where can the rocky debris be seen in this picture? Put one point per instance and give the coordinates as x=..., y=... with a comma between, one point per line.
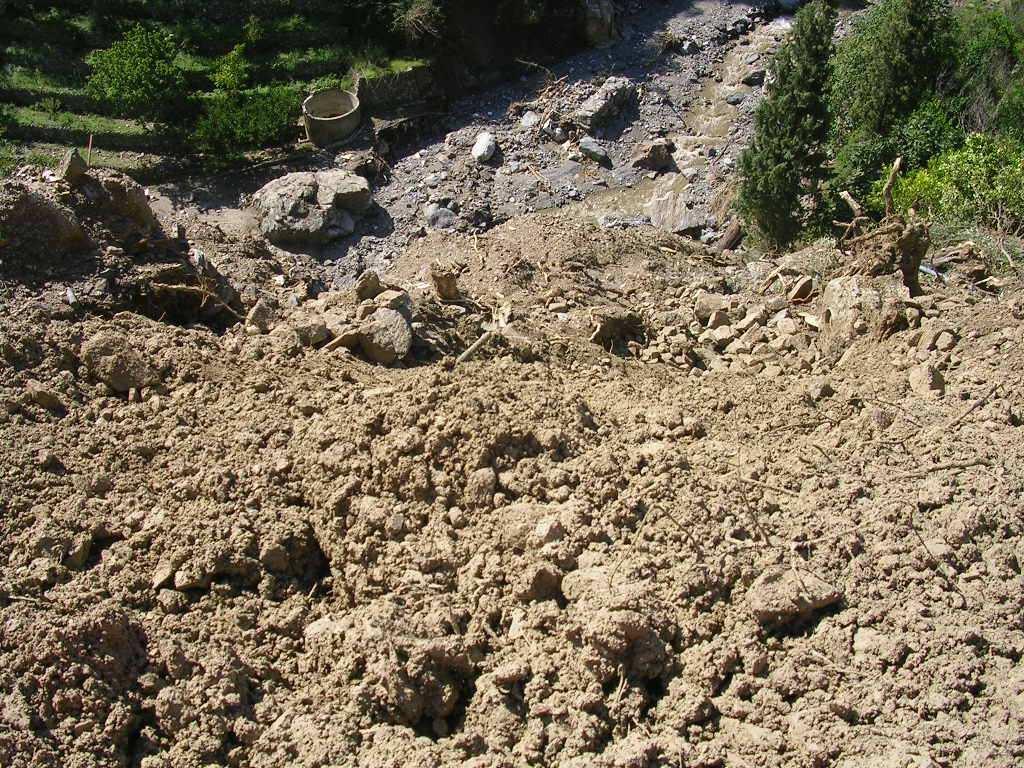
x=72, y=167
x=592, y=148
x=311, y=209
x=484, y=147
x=655, y=156
x=444, y=278
x=385, y=337
x=802, y=290
x=113, y=359
x=36, y=225
x=926, y=381
x=607, y=102
x=782, y=595
x=261, y=317
x=368, y=286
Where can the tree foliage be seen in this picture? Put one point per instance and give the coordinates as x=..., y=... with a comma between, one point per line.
x=139, y=77
x=786, y=160
x=896, y=54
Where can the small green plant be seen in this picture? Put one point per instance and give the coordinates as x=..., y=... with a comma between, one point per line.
x=982, y=182
x=231, y=72
x=232, y=122
x=50, y=105
x=138, y=76
x=785, y=164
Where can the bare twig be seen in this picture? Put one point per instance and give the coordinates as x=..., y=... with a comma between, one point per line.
x=889, y=184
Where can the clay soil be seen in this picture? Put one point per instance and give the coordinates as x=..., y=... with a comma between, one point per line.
x=547, y=555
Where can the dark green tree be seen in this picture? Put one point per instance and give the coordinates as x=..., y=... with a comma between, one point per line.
x=786, y=161
x=892, y=61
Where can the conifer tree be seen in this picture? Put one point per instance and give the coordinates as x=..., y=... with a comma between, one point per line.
x=786, y=160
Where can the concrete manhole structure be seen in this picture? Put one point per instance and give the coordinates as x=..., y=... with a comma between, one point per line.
x=330, y=116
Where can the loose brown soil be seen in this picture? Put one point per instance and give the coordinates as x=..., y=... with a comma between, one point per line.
x=263, y=554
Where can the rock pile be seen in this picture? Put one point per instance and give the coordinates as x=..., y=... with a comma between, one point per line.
x=374, y=319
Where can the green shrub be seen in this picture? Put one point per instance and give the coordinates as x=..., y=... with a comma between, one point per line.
x=1010, y=112
x=897, y=52
x=417, y=20
x=139, y=78
x=990, y=52
x=238, y=120
x=785, y=163
x=982, y=182
x=231, y=72
x=927, y=132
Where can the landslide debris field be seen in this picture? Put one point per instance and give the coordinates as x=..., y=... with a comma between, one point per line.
x=570, y=490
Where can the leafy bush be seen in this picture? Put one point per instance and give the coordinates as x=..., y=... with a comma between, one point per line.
x=231, y=72
x=893, y=58
x=233, y=121
x=982, y=182
x=989, y=69
x=927, y=132
x=785, y=162
x=138, y=76
x=859, y=161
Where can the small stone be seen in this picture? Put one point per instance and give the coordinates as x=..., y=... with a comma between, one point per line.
x=945, y=341
x=113, y=359
x=484, y=147
x=802, y=290
x=718, y=318
x=44, y=396
x=780, y=595
x=591, y=147
x=260, y=317
x=385, y=337
x=72, y=167
x=549, y=529
x=368, y=286
x=529, y=120
x=734, y=99
x=754, y=78
x=163, y=575
x=445, y=280
x=439, y=217
x=926, y=381
x=398, y=300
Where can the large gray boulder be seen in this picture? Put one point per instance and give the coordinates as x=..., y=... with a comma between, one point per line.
x=310, y=209
x=606, y=102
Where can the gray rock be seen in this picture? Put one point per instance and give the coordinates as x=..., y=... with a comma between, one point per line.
x=606, y=102
x=755, y=78
x=309, y=209
x=399, y=301
x=529, y=120
x=484, y=147
x=385, y=337
x=591, y=147
x=113, y=359
x=72, y=167
x=439, y=217
x=734, y=99
x=674, y=212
